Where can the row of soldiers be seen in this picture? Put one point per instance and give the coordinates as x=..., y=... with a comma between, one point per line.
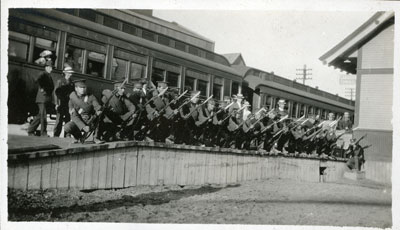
x=162, y=114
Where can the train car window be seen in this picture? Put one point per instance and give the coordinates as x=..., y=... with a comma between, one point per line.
x=18, y=50
x=137, y=71
x=87, y=14
x=294, y=108
x=172, y=79
x=235, y=88
x=68, y=11
x=148, y=35
x=157, y=75
x=180, y=46
x=95, y=64
x=119, y=69
x=41, y=45
x=110, y=22
x=74, y=58
x=217, y=91
x=202, y=86
x=302, y=110
x=189, y=82
x=163, y=40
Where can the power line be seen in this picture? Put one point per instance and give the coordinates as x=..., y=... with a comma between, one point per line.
x=304, y=73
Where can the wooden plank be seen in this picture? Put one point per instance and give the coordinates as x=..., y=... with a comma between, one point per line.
x=35, y=174
x=154, y=159
x=131, y=162
x=21, y=176
x=187, y=167
x=46, y=172
x=96, y=170
x=145, y=166
x=162, y=158
x=199, y=180
x=87, y=178
x=178, y=172
x=80, y=171
x=101, y=160
x=10, y=175
x=109, y=168
x=224, y=167
x=234, y=169
x=170, y=167
x=203, y=168
x=229, y=169
x=118, y=168
x=64, y=165
x=210, y=168
x=54, y=172
x=72, y=171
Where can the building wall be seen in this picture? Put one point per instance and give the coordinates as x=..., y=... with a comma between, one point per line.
x=374, y=103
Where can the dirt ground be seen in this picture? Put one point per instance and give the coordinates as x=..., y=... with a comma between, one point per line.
x=271, y=202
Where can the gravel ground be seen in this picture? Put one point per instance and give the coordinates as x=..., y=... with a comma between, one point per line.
x=274, y=202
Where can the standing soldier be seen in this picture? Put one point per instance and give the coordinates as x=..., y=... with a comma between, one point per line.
x=345, y=123
x=281, y=108
x=222, y=122
x=205, y=122
x=84, y=109
x=138, y=98
x=119, y=114
x=43, y=99
x=189, y=115
x=64, y=88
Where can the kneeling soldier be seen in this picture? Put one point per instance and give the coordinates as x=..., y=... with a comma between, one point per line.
x=84, y=109
x=119, y=114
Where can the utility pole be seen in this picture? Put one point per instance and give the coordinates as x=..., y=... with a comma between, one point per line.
x=304, y=73
x=350, y=92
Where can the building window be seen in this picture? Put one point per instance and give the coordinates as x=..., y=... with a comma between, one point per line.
x=173, y=79
x=194, y=50
x=95, y=64
x=110, y=22
x=217, y=92
x=163, y=40
x=180, y=46
x=148, y=35
x=189, y=82
x=137, y=71
x=202, y=86
x=74, y=58
x=119, y=69
x=127, y=28
x=87, y=14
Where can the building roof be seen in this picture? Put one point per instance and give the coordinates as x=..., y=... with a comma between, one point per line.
x=342, y=55
x=235, y=58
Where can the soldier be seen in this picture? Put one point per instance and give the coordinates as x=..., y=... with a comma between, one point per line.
x=355, y=153
x=221, y=123
x=119, y=114
x=206, y=122
x=281, y=108
x=237, y=99
x=246, y=110
x=138, y=98
x=345, y=123
x=156, y=109
x=84, y=109
x=64, y=88
x=45, y=56
x=189, y=115
x=43, y=99
x=233, y=128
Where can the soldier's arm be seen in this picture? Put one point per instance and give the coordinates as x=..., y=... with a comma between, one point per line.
x=95, y=103
x=75, y=116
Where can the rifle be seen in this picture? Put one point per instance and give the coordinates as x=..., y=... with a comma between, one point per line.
x=151, y=116
x=275, y=122
x=94, y=121
x=256, y=122
x=203, y=103
x=231, y=113
x=183, y=104
x=359, y=139
x=282, y=130
x=215, y=114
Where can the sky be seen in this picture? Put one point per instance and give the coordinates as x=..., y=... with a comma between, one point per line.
x=276, y=41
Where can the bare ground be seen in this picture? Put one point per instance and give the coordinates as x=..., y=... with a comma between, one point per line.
x=275, y=202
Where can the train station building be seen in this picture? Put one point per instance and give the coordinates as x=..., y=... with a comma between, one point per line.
x=368, y=52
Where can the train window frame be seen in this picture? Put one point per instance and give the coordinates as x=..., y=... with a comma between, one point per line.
x=82, y=61
x=197, y=75
x=130, y=79
x=167, y=78
x=19, y=38
x=206, y=90
x=126, y=69
x=218, y=81
x=238, y=86
x=94, y=60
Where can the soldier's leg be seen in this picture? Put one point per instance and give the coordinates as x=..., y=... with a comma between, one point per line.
x=72, y=128
x=58, y=124
x=37, y=120
x=66, y=118
x=43, y=119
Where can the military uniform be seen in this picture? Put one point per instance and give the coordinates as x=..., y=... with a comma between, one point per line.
x=118, y=114
x=64, y=88
x=83, y=111
x=43, y=99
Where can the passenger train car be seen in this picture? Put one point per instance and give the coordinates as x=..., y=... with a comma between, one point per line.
x=103, y=45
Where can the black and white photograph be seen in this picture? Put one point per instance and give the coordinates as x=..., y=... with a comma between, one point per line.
x=219, y=117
